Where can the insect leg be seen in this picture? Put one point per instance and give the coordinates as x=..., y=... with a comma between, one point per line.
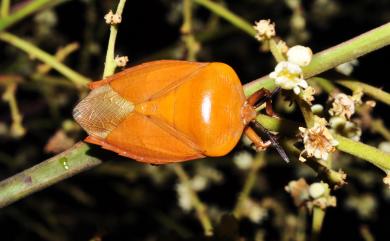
x=273, y=140
x=267, y=98
x=256, y=139
x=254, y=99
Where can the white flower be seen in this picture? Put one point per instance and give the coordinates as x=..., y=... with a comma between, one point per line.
x=184, y=197
x=199, y=183
x=299, y=55
x=343, y=106
x=384, y=146
x=317, y=108
x=289, y=76
x=253, y=211
x=264, y=29
x=386, y=180
x=318, y=140
x=243, y=160
x=316, y=190
x=347, y=68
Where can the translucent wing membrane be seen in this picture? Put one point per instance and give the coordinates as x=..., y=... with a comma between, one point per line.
x=102, y=111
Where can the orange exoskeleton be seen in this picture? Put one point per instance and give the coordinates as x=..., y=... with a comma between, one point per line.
x=170, y=111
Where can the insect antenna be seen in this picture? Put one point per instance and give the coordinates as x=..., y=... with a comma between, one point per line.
x=274, y=141
x=267, y=97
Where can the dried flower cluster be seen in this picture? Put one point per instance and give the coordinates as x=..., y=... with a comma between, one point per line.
x=253, y=211
x=342, y=106
x=121, y=61
x=112, y=18
x=318, y=140
x=315, y=195
x=265, y=30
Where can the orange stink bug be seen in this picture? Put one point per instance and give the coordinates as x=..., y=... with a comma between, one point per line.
x=171, y=111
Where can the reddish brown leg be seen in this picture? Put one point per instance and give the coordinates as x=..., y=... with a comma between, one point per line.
x=256, y=139
x=255, y=97
x=258, y=95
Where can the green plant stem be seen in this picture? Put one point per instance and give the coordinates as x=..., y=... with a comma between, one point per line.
x=33, y=51
x=186, y=30
x=318, y=219
x=355, y=148
x=17, y=129
x=278, y=55
x=366, y=152
x=24, y=12
x=371, y=91
x=332, y=57
x=187, y=17
x=282, y=126
x=199, y=206
x=110, y=64
x=377, y=126
x=228, y=15
x=349, y=50
x=300, y=234
x=61, y=54
x=306, y=112
x=248, y=185
x=53, y=170
x=366, y=233
x=4, y=8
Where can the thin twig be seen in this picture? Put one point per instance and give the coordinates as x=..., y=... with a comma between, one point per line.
x=34, y=51
x=366, y=152
x=53, y=170
x=17, y=129
x=4, y=8
x=278, y=55
x=60, y=55
x=27, y=10
x=371, y=91
x=377, y=126
x=249, y=184
x=318, y=219
x=229, y=16
x=187, y=31
x=110, y=64
x=199, y=206
x=306, y=112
